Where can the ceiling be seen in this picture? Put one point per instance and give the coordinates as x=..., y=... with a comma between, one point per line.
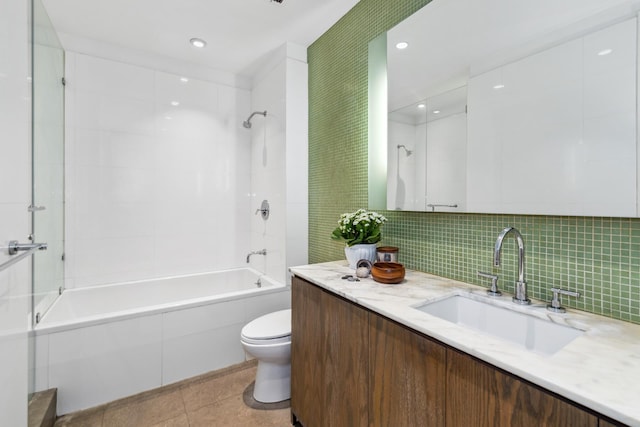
x=239, y=33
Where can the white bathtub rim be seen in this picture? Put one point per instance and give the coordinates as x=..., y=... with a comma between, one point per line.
x=44, y=328
x=178, y=276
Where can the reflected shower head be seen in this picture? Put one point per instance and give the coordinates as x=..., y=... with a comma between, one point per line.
x=247, y=123
x=409, y=152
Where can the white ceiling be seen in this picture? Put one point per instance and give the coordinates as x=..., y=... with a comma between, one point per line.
x=239, y=32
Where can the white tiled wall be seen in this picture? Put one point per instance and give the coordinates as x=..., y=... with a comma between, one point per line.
x=279, y=164
x=15, y=196
x=153, y=189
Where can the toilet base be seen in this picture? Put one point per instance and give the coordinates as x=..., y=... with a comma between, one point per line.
x=273, y=382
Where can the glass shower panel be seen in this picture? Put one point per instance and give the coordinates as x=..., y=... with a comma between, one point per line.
x=48, y=161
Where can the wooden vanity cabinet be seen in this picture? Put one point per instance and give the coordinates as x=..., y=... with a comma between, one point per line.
x=353, y=367
x=480, y=395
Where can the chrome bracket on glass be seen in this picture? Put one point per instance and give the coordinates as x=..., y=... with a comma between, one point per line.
x=34, y=208
x=15, y=247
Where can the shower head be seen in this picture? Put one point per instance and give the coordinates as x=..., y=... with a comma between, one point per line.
x=409, y=152
x=247, y=123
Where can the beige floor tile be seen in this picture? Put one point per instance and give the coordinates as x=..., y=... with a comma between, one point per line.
x=221, y=398
x=233, y=412
x=180, y=421
x=207, y=392
x=88, y=418
x=148, y=411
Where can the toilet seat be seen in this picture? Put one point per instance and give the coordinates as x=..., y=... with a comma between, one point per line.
x=266, y=342
x=272, y=328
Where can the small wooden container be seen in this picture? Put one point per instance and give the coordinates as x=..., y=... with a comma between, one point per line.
x=387, y=272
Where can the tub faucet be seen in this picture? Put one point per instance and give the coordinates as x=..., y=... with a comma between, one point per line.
x=262, y=252
x=521, y=286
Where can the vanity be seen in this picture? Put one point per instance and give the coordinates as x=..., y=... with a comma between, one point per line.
x=365, y=353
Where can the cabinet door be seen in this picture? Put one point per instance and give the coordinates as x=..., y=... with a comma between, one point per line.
x=407, y=373
x=605, y=423
x=480, y=395
x=307, y=340
x=329, y=358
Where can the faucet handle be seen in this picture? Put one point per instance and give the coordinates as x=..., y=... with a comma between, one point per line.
x=494, y=291
x=555, y=302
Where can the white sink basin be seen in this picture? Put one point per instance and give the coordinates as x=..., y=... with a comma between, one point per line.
x=526, y=331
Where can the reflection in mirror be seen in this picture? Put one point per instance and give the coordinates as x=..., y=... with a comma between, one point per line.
x=550, y=123
x=430, y=173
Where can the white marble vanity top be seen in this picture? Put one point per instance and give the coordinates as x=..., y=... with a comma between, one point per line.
x=600, y=369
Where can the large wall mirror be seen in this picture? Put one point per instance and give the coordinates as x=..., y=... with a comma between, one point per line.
x=509, y=106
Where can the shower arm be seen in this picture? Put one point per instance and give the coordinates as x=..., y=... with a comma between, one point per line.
x=247, y=123
x=263, y=113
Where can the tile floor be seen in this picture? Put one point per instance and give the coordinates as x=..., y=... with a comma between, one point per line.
x=220, y=398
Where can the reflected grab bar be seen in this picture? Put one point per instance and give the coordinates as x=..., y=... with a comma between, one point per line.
x=15, y=247
x=434, y=206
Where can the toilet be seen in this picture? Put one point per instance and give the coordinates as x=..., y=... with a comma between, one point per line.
x=268, y=339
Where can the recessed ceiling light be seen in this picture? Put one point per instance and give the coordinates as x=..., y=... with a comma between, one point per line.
x=175, y=103
x=421, y=106
x=198, y=42
x=402, y=45
x=498, y=86
x=184, y=79
x=436, y=111
x=605, y=52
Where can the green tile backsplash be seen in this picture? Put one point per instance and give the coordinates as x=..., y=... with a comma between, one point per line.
x=598, y=257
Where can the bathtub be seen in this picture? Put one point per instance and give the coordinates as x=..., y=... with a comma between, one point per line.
x=106, y=342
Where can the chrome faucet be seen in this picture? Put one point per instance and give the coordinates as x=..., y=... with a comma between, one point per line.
x=262, y=252
x=521, y=286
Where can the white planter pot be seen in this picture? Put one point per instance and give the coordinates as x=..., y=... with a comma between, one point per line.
x=357, y=252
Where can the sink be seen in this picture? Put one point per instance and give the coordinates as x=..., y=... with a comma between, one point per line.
x=526, y=331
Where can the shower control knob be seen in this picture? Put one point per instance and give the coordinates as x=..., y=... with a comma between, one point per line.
x=264, y=210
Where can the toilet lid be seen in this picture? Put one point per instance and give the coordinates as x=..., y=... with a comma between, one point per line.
x=269, y=326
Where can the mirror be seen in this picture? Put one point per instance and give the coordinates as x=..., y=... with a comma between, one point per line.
x=513, y=107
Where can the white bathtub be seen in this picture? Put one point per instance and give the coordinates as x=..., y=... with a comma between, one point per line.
x=106, y=342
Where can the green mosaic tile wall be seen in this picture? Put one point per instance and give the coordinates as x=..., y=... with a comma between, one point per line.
x=598, y=257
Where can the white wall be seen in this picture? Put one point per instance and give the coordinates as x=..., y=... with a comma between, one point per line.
x=15, y=194
x=152, y=189
x=575, y=104
x=446, y=163
x=279, y=163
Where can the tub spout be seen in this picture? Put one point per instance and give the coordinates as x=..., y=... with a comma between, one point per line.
x=262, y=252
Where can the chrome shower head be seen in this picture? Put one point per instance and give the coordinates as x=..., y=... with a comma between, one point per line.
x=247, y=123
x=409, y=152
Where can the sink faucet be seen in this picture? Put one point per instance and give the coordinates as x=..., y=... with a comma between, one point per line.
x=521, y=286
x=262, y=252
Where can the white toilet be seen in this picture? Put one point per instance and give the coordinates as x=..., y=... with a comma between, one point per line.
x=268, y=339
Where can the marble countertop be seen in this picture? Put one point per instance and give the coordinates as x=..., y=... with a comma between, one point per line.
x=600, y=369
